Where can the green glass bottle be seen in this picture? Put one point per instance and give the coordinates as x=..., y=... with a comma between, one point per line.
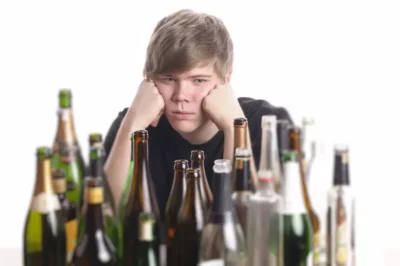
x=297, y=226
x=146, y=251
x=109, y=219
x=44, y=234
x=67, y=153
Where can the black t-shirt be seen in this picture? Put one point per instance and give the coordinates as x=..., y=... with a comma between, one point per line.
x=166, y=145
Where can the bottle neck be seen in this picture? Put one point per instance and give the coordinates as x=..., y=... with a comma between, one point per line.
x=179, y=183
x=43, y=177
x=141, y=171
x=60, y=188
x=193, y=195
x=222, y=192
x=240, y=137
x=242, y=174
x=269, y=157
x=341, y=175
x=96, y=167
x=66, y=129
x=94, y=212
x=292, y=193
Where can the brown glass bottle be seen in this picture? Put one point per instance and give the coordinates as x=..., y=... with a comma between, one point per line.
x=191, y=220
x=95, y=247
x=240, y=125
x=67, y=153
x=171, y=211
x=295, y=144
x=70, y=211
x=142, y=198
x=197, y=158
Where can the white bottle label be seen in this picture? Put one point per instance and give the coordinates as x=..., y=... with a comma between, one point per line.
x=45, y=203
x=293, y=200
x=217, y=262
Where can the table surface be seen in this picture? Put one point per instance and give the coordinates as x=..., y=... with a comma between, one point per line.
x=13, y=257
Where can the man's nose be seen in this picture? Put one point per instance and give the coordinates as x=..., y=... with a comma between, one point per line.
x=180, y=92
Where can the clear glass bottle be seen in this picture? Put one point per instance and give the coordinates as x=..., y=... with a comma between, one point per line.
x=222, y=242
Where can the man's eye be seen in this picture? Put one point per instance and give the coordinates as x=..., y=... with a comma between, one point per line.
x=200, y=80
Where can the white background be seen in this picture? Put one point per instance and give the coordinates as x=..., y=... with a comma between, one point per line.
x=336, y=60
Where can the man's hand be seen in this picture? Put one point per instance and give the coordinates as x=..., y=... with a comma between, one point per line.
x=222, y=107
x=148, y=105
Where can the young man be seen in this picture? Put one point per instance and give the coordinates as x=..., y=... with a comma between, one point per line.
x=185, y=103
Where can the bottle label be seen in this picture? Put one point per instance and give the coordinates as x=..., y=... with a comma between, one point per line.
x=341, y=255
x=45, y=202
x=63, y=113
x=217, y=262
x=60, y=185
x=71, y=230
x=95, y=195
x=293, y=200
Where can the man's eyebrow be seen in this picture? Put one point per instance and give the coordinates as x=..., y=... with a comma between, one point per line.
x=201, y=76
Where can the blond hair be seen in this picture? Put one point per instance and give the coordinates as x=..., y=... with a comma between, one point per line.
x=186, y=39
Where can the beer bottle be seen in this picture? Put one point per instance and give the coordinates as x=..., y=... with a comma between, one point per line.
x=95, y=247
x=173, y=204
x=44, y=232
x=66, y=150
x=191, y=220
x=197, y=161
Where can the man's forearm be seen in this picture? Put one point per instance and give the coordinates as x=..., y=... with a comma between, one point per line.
x=116, y=167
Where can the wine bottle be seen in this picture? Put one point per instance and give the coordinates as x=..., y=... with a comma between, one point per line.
x=295, y=136
x=96, y=156
x=197, y=159
x=297, y=227
x=341, y=212
x=142, y=198
x=66, y=149
x=95, y=247
x=282, y=129
x=173, y=204
x=191, y=220
x=146, y=255
x=70, y=212
x=241, y=194
x=44, y=231
x=222, y=241
x=264, y=222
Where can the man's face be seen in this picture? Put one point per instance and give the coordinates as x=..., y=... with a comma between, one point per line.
x=183, y=94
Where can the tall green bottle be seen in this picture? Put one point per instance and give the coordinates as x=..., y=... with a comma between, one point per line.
x=44, y=239
x=297, y=226
x=109, y=218
x=67, y=153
